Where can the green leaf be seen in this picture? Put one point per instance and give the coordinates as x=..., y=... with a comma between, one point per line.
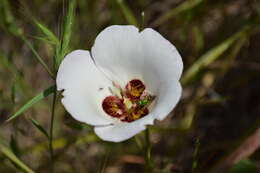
x=63, y=48
x=185, y=6
x=44, y=39
x=127, y=13
x=212, y=55
x=34, y=100
x=39, y=127
x=48, y=33
x=244, y=166
x=8, y=153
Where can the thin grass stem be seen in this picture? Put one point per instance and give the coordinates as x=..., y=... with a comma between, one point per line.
x=51, y=131
x=40, y=60
x=148, y=148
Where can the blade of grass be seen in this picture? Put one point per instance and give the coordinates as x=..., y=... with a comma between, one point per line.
x=14, y=146
x=185, y=6
x=104, y=162
x=232, y=55
x=43, y=39
x=142, y=25
x=138, y=142
x=38, y=57
x=148, y=148
x=195, y=155
x=51, y=130
x=8, y=153
x=127, y=13
x=48, y=33
x=198, y=39
x=31, y=102
x=212, y=55
x=63, y=47
x=39, y=127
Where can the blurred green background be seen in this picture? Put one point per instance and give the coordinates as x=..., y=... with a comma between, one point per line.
x=212, y=129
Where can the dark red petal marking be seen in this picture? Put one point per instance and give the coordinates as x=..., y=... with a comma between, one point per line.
x=134, y=93
x=136, y=114
x=113, y=106
x=134, y=89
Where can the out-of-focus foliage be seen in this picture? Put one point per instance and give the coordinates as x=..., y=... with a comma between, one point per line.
x=244, y=166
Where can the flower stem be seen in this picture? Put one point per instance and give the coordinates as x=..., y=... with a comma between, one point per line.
x=51, y=130
x=148, y=148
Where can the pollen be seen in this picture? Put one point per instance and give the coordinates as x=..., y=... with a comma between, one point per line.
x=131, y=104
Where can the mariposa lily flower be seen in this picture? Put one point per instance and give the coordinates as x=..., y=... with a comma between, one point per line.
x=127, y=80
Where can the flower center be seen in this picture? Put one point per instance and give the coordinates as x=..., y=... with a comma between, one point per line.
x=130, y=103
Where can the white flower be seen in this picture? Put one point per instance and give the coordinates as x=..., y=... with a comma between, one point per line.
x=127, y=80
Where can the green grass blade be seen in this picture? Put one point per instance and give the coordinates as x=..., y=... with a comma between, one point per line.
x=63, y=49
x=39, y=127
x=8, y=153
x=185, y=6
x=14, y=146
x=34, y=100
x=46, y=40
x=195, y=155
x=48, y=33
x=211, y=56
x=127, y=13
x=142, y=25
x=38, y=57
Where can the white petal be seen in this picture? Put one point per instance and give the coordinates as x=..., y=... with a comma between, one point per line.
x=167, y=97
x=115, y=51
x=84, y=88
x=161, y=54
x=123, y=131
x=161, y=71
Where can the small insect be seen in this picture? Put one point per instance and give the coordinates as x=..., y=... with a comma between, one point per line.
x=100, y=89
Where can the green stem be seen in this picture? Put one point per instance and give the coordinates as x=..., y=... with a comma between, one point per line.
x=195, y=155
x=141, y=27
x=51, y=130
x=148, y=148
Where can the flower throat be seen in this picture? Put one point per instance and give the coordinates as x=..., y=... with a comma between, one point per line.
x=130, y=103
